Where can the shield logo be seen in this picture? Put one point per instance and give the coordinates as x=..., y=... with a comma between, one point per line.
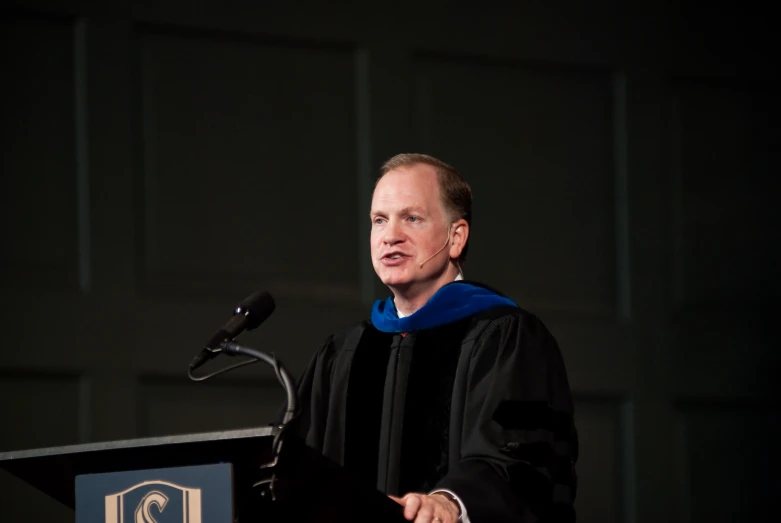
x=154, y=502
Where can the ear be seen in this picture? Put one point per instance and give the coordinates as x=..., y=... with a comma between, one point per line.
x=458, y=237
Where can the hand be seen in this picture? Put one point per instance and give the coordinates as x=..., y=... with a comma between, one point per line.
x=426, y=509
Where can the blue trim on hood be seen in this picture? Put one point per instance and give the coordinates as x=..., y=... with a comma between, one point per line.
x=450, y=303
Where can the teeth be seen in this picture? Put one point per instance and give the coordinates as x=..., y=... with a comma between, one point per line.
x=395, y=256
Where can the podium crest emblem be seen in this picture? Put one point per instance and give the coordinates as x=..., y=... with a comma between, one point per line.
x=154, y=502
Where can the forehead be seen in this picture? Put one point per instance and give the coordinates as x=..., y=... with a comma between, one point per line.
x=415, y=185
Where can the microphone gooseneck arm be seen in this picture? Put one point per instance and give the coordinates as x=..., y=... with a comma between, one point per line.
x=232, y=348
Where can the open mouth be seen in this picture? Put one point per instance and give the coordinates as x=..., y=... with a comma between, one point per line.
x=394, y=258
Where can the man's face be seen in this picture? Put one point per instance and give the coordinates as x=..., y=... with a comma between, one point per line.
x=409, y=226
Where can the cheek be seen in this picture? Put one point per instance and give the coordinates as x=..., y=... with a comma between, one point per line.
x=374, y=243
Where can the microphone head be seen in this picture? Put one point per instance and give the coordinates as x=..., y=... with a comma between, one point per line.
x=256, y=308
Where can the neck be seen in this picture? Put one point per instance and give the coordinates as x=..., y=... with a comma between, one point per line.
x=409, y=300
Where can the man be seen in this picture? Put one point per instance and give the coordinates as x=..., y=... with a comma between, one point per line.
x=452, y=400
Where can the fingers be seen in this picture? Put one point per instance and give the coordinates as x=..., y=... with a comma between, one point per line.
x=397, y=500
x=412, y=504
x=426, y=514
x=424, y=509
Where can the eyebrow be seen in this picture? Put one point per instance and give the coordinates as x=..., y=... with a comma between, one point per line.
x=406, y=210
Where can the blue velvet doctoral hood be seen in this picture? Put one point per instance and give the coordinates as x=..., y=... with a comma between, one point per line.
x=450, y=303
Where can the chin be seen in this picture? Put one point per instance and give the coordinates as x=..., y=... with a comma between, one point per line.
x=395, y=281
x=394, y=278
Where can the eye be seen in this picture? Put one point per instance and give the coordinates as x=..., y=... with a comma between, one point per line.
x=414, y=219
x=378, y=221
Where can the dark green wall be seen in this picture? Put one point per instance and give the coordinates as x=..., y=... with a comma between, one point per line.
x=162, y=161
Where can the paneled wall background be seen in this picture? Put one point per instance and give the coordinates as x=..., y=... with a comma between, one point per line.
x=162, y=161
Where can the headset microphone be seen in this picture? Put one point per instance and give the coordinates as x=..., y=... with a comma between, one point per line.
x=440, y=250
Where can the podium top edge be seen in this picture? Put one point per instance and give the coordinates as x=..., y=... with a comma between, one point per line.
x=138, y=442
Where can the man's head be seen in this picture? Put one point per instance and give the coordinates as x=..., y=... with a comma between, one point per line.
x=421, y=213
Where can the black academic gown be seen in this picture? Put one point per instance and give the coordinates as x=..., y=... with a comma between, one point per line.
x=480, y=406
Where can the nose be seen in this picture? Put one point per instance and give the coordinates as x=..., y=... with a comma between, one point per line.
x=392, y=233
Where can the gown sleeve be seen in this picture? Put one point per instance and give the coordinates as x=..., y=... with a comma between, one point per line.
x=519, y=443
x=314, y=391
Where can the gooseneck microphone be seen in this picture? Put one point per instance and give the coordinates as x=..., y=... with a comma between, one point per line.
x=247, y=315
x=251, y=312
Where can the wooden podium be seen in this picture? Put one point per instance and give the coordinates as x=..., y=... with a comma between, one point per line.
x=252, y=475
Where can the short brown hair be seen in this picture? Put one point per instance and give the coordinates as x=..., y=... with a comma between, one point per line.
x=456, y=193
